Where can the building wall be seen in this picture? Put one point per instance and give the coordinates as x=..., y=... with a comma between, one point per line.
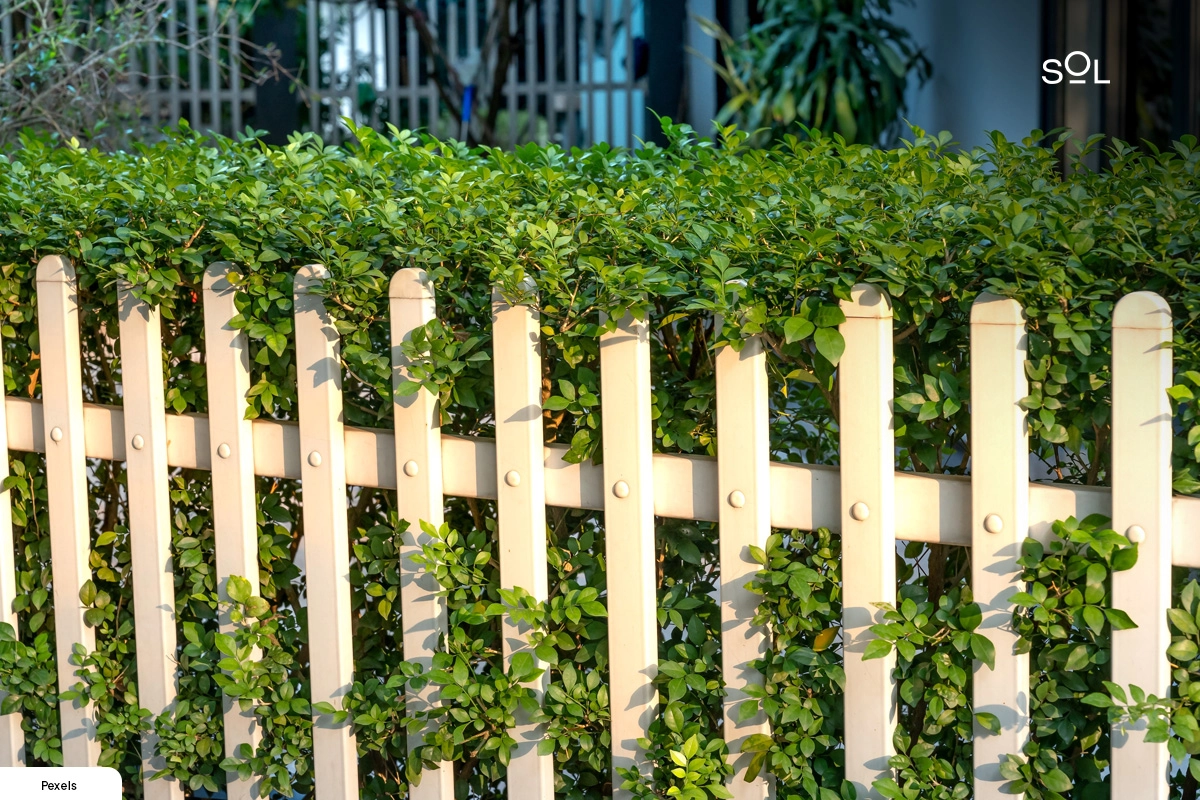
x=987, y=62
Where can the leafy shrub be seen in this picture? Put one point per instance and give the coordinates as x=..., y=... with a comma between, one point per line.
x=767, y=241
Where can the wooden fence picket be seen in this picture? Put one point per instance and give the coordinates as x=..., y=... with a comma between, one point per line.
x=418, y=497
x=12, y=737
x=149, y=523
x=1141, y=509
x=628, y=438
x=67, y=489
x=326, y=538
x=999, y=524
x=231, y=448
x=742, y=490
x=868, y=530
x=521, y=509
x=744, y=502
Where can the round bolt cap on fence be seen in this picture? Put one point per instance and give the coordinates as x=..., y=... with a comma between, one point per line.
x=621, y=489
x=411, y=469
x=56, y=434
x=223, y=450
x=859, y=511
x=513, y=478
x=992, y=523
x=1136, y=534
x=138, y=442
x=314, y=458
x=737, y=499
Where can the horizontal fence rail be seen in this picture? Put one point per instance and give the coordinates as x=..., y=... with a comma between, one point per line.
x=866, y=500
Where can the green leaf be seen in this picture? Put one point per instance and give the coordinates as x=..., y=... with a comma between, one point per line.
x=830, y=344
x=989, y=722
x=796, y=329
x=876, y=648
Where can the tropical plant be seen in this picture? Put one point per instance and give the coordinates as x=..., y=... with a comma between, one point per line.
x=840, y=66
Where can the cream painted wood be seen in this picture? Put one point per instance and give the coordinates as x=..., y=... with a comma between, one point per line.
x=521, y=506
x=230, y=450
x=628, y=438
x=12, y=738
x=1000, y=495
x=868, y=530
x=66, y=484
x=149, y=523
x=418, y=462
x=1141, y=499
x=326, y=543
x=744, y=520
x=929, y=508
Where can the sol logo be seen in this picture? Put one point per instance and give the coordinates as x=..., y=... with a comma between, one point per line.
x=1052, y=66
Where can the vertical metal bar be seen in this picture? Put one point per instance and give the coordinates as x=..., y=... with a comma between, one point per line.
x=152, y=86
x=628, y=436
x=419, y=501
x=744, y=492
x=521, y=508
x=609, y=83
x=314, y=75
x=999, y=524
x=326, y=538
x=393, y=63
x=173, y=87
x=414, y=78
x=551, y=56
x=193, y=22
x=149, y=523
x=629, y=69
x=12, y=737
x=231, y=440
x=352, y=83
x=373, y=16
x=1141, y=509
x=431, y=69
x=512, y=82
x=235, y=71
x=573, y=89
x=531, y=71
x=193, y=65
x=452, y=52
x=868, y=531
x=214, y=67
x=588, y=91
x=67, y=487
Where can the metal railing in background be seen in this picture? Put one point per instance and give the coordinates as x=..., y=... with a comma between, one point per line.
x=572, y=78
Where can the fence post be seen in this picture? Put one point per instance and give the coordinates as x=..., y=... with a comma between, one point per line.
x=521, y=507
x=12, y=737
x=326, y=539
x=999, y=524
x=628, y=438
x=231, y=446
x=1141, y=509
x=744, y=520
x=868, y=464
x=66, y=486
x=418, y=497
x=149, y=522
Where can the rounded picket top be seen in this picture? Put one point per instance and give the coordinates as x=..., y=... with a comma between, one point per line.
x=528, y=284
x=867, y=302
x=216, y=277
x=55, y=269
x=1142, y=311
x=994, y=309
x=411, y=283
x=310, y=276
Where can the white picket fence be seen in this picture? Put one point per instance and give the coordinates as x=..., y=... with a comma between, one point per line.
x=870, y=503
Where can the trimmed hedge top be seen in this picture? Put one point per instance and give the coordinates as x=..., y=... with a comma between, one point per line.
x=767, y=241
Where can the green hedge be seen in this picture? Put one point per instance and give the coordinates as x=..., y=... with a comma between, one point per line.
x=662, y=232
